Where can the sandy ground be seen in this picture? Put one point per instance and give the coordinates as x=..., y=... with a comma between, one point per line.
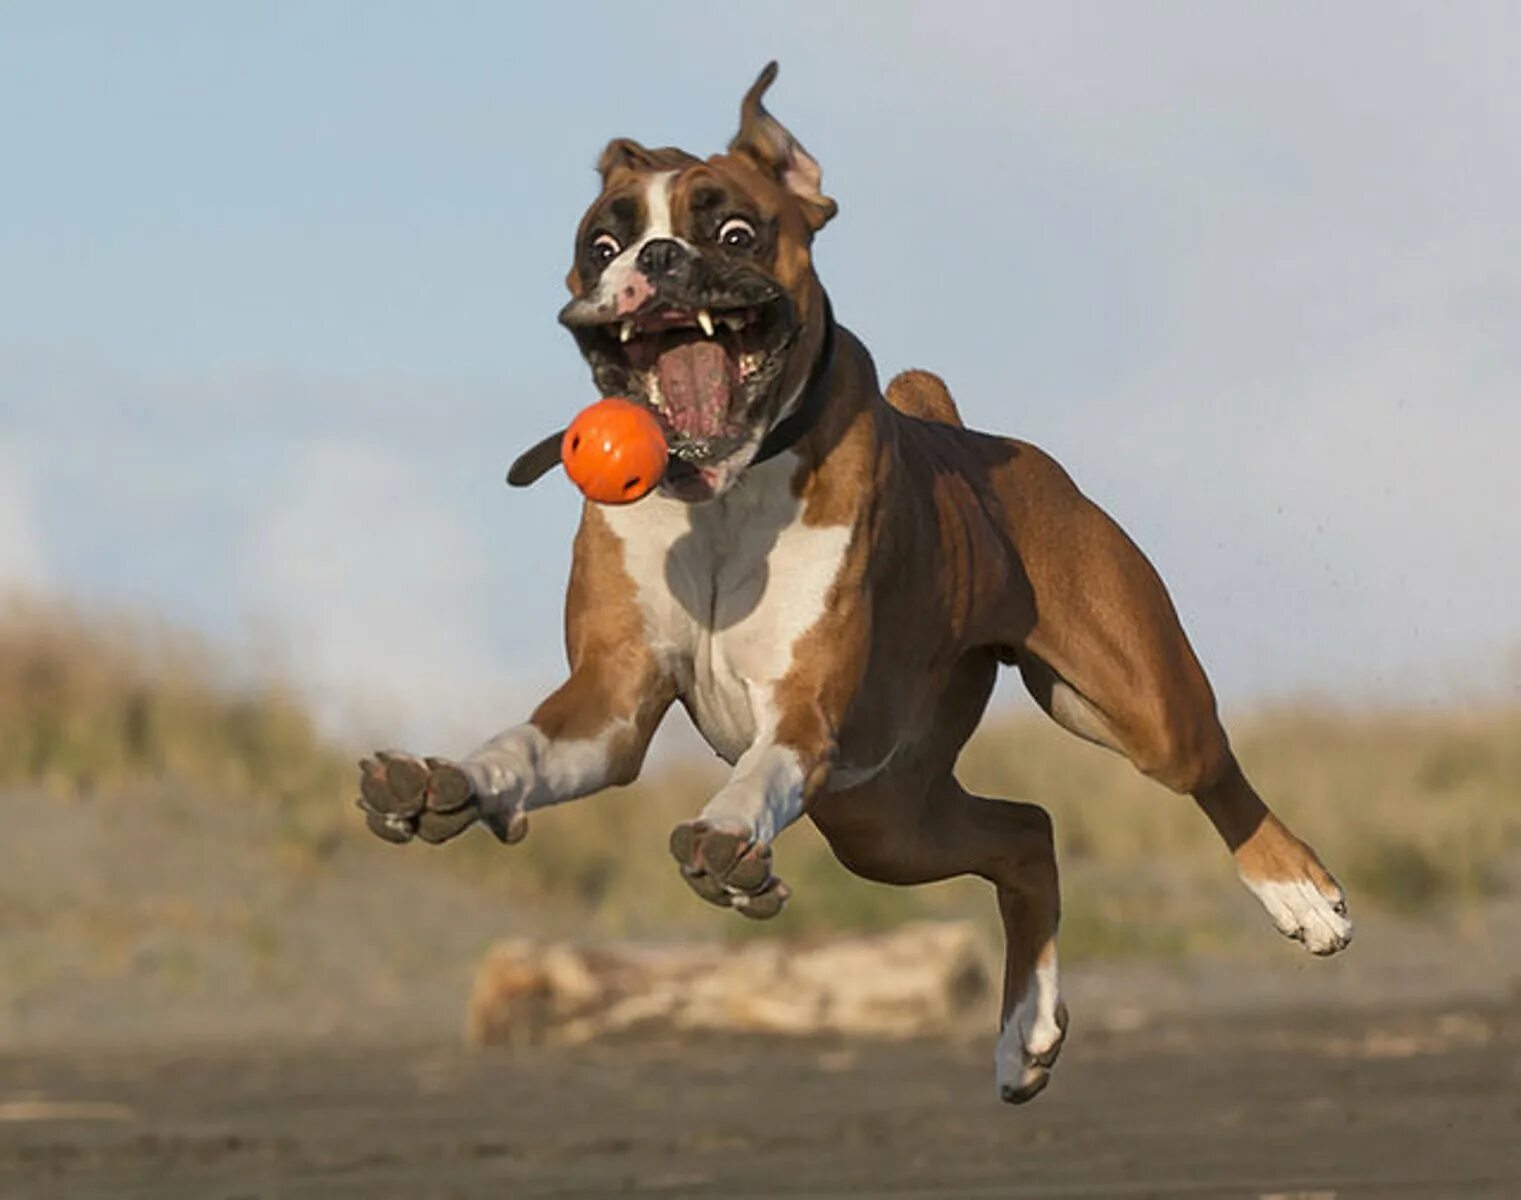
x=150, y=919
x=1308, y=1103
x=185, y=1014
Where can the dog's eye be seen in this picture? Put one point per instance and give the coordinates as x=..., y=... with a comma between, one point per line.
x=604, y=248
x=737, y=233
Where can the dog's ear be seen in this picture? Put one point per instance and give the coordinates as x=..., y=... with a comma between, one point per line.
x=624, y=152
x=630, y=155
x=766, y=142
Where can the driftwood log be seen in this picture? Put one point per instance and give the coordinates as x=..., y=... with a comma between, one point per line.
x=928, y=978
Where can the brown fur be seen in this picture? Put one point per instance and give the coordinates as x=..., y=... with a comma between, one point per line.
x=613, y=675
x=923, y=394
x=965, y=551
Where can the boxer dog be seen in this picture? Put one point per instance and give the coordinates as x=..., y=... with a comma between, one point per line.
x=828, y=578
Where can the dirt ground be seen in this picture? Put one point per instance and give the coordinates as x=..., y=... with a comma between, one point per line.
x=1291, y=1103
x=180, y=1019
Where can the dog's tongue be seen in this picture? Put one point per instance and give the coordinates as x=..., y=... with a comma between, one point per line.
x=695, y=380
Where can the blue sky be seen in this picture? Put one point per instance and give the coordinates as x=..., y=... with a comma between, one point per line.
x=277, y=287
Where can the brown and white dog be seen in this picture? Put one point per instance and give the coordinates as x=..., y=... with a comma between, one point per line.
x=828, y=579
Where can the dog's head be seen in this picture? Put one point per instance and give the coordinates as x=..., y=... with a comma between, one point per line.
x=694, y=291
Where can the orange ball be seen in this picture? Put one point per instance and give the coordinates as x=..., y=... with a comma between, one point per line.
x=614, y=451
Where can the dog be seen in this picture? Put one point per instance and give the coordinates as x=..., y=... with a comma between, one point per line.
x=828, y=579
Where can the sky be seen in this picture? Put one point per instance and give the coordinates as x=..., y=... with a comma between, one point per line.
x=278, y=285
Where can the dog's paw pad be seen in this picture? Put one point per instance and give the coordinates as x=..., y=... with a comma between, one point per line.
x=406, y=778
x=508, y=828
x=403, y=797
x=728, y=868
x=377, y=795
x=764, y=904
x=390, y=827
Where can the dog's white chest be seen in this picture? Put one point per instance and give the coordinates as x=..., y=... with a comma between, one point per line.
x=727, y=588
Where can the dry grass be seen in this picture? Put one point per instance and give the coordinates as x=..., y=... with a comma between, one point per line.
x=92, y=705
x=1419, y=814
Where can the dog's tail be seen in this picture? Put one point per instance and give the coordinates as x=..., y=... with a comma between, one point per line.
x=924, y=395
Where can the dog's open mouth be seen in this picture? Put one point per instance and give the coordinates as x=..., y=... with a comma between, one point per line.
x=705, y=372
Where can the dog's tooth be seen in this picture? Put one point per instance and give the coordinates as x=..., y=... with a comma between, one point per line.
x=626, y=330
x=705, y=319
x=734, y=321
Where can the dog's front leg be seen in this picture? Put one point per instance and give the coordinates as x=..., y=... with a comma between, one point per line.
x=725, y=854
x=590, y=734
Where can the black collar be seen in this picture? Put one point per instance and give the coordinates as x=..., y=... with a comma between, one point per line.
x=544, y=456
x=792, y=428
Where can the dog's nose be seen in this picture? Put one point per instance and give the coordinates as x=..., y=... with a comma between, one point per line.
x=660, y=256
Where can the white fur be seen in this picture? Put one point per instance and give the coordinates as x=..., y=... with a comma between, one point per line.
x=657, y=203
x=1301, y=912
x=522, y=769
x=1032, y=1028
x=658, y=224
x=763, y=796
x=727, y=588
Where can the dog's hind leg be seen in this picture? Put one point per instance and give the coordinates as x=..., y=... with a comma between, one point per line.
x=1167, y=726
x=1284, y=873
x=1108, y=659
x=904, y=828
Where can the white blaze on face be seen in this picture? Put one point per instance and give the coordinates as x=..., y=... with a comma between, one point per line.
x=657, y=202
x=658, y=223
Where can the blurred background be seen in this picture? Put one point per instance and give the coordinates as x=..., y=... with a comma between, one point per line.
x=277, y=296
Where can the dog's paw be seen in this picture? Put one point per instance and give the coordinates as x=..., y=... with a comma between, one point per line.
x=728, y=868
x=1313, y=914
x=403, y=797
x=1032, y=1038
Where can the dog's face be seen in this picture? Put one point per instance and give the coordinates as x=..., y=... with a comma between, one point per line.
x=694, y=292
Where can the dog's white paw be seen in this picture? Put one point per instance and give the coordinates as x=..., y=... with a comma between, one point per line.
x=1031, y=1039
x=1314, y=916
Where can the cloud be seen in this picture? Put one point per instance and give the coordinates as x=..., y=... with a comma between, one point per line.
x=1256, y=283
x=1253, y=276
x=358, y=523
x=379, y=594
x=1330, y=410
